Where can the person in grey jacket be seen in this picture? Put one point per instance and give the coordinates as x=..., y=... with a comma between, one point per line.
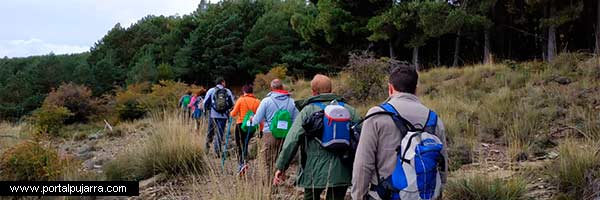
x=217, y=121
x=380, y=136
x=277, y=99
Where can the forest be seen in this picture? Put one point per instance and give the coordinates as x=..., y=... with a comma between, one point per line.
x=237, y=39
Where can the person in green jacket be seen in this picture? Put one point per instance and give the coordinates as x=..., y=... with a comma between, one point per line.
x=320, y=169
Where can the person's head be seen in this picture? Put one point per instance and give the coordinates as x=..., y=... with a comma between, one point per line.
x=188, y=92
x=276, y=84
x=320, y=84
x=247, y=89
x=403, y=78
x=220, y=81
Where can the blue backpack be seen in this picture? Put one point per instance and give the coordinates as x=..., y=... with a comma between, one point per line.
x=336, y=127
x=418, y=158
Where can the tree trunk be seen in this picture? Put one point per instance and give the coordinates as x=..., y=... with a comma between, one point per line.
x=391, y=49
x=438, y=51
x=551, y=42
x=487, y=54
x=598, y=29
x=416, y=57
x=456, y=49
x=551, y=37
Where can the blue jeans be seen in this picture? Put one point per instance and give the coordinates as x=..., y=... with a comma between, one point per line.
x=218, y=137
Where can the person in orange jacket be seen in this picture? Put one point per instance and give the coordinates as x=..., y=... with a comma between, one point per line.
x=247, y=102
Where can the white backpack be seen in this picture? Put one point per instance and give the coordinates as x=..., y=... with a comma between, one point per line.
x=418, y=160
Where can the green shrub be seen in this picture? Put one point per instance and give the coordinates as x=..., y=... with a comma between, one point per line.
x=129, y=101
x=577, y=171
x=171, y=149
x=262, y=82
x=77, y=98
x=166, y=94
x=141, y=98
x=30, y=161
x=365, y=77
x=485, y=188
x=131, y=110
x=50, y=119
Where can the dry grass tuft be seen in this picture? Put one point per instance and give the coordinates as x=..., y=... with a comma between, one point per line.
x=577, y=171
x=481, y=187
x=171, y=148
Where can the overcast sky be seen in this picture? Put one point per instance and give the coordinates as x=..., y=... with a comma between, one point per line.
x=37, y=27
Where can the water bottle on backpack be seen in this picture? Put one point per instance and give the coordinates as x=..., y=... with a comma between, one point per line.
x=336, y=126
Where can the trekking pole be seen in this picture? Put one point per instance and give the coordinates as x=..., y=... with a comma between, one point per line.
x=225, y=148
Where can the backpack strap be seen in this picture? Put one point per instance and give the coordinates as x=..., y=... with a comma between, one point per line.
x=274, y=103
x=431, y=123
x=276, y=106
x=398, y=119
x=212, y=98
x=320, y=104
x=401, y=123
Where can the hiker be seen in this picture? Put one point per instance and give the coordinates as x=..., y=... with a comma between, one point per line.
x=244, y=108
x=383, y=131
x=219, y=100
x=277, y=110
x=184, y=101
x=321, y=167
x=196, y=105
x=191, y=104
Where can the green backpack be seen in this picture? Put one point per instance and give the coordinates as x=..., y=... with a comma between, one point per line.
x=186, y=101
x=281, y=122
x=246, y=124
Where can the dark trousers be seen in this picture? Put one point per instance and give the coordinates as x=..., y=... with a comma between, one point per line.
x=242, y=138
x=216, y=128
x=333, y=193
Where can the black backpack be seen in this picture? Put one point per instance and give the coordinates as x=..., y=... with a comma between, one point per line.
x=221, y=101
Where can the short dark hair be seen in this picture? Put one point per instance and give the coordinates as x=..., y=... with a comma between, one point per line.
x=404, y=78
x=248, y=89
x=219, y=80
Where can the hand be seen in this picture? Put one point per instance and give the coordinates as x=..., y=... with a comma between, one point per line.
x=279, y=178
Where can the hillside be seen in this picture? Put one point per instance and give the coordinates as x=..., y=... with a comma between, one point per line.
x=516, y=131
x=238, y=39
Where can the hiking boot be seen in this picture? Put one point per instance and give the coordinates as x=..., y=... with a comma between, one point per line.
x=242, y=170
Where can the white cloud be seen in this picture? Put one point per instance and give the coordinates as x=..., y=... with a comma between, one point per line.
x=37, y=27
x=34, y=46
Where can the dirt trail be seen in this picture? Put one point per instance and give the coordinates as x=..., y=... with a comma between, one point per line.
x=97, y=149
